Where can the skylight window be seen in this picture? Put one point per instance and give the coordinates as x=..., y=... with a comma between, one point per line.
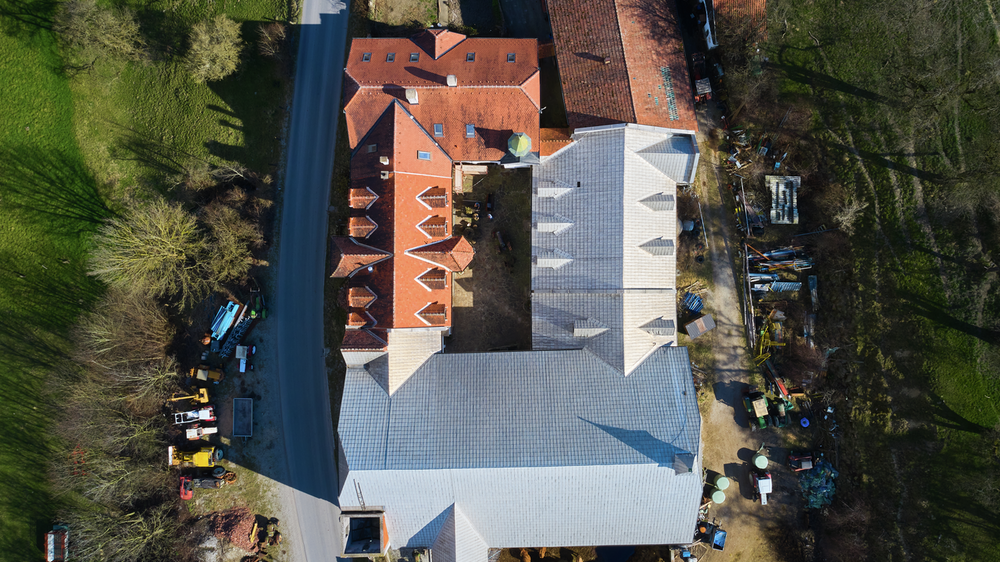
x=438, y=129
x=366, y=57
x=470, y=131
x=470, y=57
x=414, y=57
x=372, y=148
x=511, y=57
x=390, y=57
x=422, y=155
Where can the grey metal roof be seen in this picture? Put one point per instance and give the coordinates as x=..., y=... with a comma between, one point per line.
x=609, y=256
x=508, y=436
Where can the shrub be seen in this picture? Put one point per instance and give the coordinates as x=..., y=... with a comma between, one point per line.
x=215, y=49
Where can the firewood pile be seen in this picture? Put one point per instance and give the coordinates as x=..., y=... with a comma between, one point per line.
x=236, y=525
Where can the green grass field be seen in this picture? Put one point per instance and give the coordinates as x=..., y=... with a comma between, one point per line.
x=73, y=144
x=894, y=127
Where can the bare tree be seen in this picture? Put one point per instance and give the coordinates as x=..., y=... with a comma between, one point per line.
x=232, y=238
x=272, y=39
x=117, y=535
x=157, y=249
x=125, y=328
x=849, y=213
x=85, y=25
x=215, y=49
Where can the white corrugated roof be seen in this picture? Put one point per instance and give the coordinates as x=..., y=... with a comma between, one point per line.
x=543, y=426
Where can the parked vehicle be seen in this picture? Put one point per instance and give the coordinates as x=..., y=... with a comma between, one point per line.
x=196, y=432
x=800, y=461
x=199, y=397
x=761, y=485
x=204, y=457
x=57, y=543
x=778, y=410
x=702, y=83
x=756, y=405
x=207, y=374
x=206, y=414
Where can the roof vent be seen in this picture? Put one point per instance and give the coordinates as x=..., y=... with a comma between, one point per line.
x=384, y=160
x=411, y=96
x=452, y=80
x=588, y=328
x=385, y=174
x=607, y=60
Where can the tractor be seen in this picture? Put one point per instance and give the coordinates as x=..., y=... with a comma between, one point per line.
x=757, y=405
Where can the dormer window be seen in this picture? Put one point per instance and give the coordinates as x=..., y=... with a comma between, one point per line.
x=366, y=57
x=414, y=57
x=470, y=57
x=391, y=57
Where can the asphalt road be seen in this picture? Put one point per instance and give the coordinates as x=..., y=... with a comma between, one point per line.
x=309, y=496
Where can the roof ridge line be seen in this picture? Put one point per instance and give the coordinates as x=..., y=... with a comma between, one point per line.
x=628, y=77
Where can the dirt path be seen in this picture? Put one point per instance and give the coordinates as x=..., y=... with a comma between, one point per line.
x=756, y=532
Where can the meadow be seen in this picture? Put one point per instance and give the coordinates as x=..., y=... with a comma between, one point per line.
x=80, y=135
x=903, y=101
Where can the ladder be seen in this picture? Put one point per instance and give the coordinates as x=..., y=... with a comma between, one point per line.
x=235, y=336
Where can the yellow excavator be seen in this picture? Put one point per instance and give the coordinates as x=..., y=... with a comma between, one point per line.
x=199, y=397
x=204, y=457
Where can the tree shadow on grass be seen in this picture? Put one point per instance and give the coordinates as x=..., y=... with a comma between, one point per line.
x=134, y=145
x=26, y=18
x=52, y=190
x=938, y=314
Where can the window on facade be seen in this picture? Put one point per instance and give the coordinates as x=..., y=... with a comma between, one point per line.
x=366, y=57
x=390, y=57
x=438, y=129
x=414, y=57
x=421, y=155
x=511, y=57
x=470, y=131
x=469, y=57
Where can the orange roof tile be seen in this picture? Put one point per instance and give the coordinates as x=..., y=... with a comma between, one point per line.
x=741, y=12
x=553, y=140
x=434, y=278
x=398, y=210
x=453, y=254
x=361, y=198
x=347, y=256
x=435, y=314
x=359, y=297
x=358, y=318
x=361, y=227
x=436, y=42
x=497, y=97
x=629, y=68
x=434, y=197
x=362, y=340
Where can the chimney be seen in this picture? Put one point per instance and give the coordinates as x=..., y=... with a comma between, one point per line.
x=411, y=96
x=452, y=80
x=385, y=175
x=607, y=60
x=384, y=160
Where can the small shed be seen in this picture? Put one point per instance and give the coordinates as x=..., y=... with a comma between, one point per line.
x=243, y=417
x=784, y=198
x=699, y=326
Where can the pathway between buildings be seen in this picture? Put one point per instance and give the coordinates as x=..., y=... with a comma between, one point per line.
x=728, y=442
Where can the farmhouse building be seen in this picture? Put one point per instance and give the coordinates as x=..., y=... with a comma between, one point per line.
x=590, y=438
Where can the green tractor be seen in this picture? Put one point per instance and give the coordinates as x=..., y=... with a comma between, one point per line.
x=757, y=406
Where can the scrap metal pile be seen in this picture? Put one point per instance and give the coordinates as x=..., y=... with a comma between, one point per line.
x=817, y=484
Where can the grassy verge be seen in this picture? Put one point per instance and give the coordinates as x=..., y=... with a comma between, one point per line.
x=909, y=291
x=71, y=141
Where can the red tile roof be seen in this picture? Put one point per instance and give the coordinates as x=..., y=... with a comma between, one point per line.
x=436, y=42
x=497, y=97
x=622, y=62
x=362, y=340
x=453, y=254
x=359, y=297
x=435, y=314
x=361, y=198
x=553, y=140
x=361, y=227
x=733, y=13
x=402, y=206
x=347, y=256
x=435, y=278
